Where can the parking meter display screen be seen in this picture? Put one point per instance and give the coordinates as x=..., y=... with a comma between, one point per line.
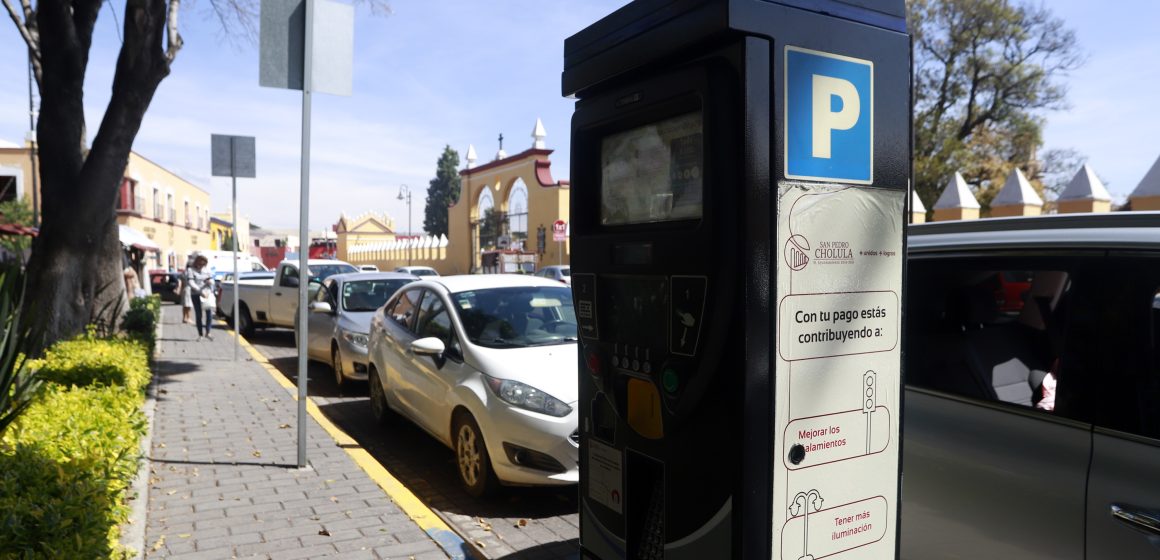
x=653, y=173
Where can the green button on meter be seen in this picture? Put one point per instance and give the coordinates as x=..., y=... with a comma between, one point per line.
x=669, y=380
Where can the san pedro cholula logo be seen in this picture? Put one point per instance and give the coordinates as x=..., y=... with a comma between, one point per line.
x=797, y=252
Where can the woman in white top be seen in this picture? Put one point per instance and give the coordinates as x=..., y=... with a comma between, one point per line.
x=209, y=308
x=199, y=281
x=186, y=302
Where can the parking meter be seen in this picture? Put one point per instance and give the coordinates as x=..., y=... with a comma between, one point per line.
x=740, y=172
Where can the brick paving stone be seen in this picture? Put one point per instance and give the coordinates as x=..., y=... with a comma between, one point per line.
x=224, y=478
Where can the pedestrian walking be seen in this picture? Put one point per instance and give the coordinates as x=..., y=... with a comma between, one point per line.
x=199, y=281
x=208, y=308
x=186, y=294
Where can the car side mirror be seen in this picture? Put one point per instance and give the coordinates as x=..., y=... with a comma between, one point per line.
x=429, y=346
x=321, y=307
x=290, y=282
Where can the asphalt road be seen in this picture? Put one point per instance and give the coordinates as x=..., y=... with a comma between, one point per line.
x=515, y=524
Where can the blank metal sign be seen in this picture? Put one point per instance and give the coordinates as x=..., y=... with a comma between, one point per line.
x=240, y=163
x=282, y=42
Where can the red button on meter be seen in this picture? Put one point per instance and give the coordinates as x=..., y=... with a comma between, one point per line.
x=593, y=362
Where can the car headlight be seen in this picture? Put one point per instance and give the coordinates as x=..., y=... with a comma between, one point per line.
x=357, y=339
x=527, y=397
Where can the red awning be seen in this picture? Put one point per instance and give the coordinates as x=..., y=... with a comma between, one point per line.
x=14, y=229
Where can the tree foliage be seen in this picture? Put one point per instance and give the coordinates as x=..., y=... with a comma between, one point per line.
x=985, y=74
x=442, y=192
x=227, y=242
x=491, y=227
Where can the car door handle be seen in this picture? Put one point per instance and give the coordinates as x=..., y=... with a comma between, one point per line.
x=278, y=293
x=1138, y=518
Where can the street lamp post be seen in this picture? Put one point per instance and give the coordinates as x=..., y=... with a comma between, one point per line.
x=404, y=189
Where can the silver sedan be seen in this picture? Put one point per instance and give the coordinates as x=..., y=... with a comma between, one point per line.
x=340, y=317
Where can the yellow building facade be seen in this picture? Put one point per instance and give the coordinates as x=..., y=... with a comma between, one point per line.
x=496, y=185
x=520, y=187
x=171, y=211
x=16, y=178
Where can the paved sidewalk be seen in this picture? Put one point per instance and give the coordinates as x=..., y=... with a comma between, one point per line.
x=223, y=476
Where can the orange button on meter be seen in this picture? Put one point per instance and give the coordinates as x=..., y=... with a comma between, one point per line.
x=644, y=409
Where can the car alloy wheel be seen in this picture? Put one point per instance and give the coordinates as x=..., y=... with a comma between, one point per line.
x=472, y=458
x=377, y=397
x=336, y=363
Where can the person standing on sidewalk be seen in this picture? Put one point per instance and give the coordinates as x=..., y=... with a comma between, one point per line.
x=208, y=307
x=186, y=294
x=199, y=280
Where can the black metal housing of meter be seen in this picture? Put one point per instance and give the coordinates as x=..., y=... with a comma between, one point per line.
x=679, y=177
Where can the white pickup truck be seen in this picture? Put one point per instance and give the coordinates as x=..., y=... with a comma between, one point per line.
x=274, y=303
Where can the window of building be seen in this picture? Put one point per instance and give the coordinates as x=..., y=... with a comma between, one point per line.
x=8, y=188
x=127, y=199
x=172, y=206
x=158, y=205
x=188, y=218
x=197, y=211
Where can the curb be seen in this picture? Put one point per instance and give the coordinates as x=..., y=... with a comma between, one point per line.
x=437, y=528
x=133, y=530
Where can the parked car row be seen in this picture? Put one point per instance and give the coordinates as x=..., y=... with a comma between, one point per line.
x=1032, y=424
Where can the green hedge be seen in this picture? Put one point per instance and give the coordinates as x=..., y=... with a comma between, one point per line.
x=90, y=361
x=66, y=463
x=140, y=322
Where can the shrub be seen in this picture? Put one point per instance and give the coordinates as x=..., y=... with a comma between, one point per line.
x=140, y=322
x=64, y=468
x=88, y=360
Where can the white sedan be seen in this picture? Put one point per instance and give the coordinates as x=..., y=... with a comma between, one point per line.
x=487, y=365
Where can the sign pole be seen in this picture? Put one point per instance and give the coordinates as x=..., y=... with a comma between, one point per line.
x=234, y=228
x=233, y=156
x=303, y=235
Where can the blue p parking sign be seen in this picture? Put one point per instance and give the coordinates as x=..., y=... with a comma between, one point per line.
x=829, y=117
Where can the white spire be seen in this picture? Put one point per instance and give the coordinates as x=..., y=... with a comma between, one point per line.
x=1150, y=184
x=471, y=157
x=956, y=194
x=916, y=205
x=1017, y=191
x=538, y=135
x=1085, y=186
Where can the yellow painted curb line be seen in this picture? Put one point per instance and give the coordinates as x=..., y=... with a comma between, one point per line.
x=427, y=519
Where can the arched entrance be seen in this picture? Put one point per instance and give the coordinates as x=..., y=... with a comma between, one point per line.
x=522, y=197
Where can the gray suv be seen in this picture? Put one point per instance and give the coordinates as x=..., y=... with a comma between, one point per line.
x=1032, y=406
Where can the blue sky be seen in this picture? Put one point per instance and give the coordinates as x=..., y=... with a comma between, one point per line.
x=454, y=72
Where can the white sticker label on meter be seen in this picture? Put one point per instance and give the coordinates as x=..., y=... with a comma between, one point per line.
x=605, y=475
x=839, y=284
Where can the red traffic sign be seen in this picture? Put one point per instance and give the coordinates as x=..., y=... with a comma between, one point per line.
x=559, y=230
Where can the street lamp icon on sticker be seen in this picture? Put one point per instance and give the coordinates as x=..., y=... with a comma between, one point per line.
x=870, y=401
x=801, y=505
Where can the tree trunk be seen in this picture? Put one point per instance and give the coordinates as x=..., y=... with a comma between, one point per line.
x=75, y=273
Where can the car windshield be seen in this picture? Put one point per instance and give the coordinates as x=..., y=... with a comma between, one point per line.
x=369, y=295
x=424, y=272
x=517, y=317
x=324, y=271
x=567, y=272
